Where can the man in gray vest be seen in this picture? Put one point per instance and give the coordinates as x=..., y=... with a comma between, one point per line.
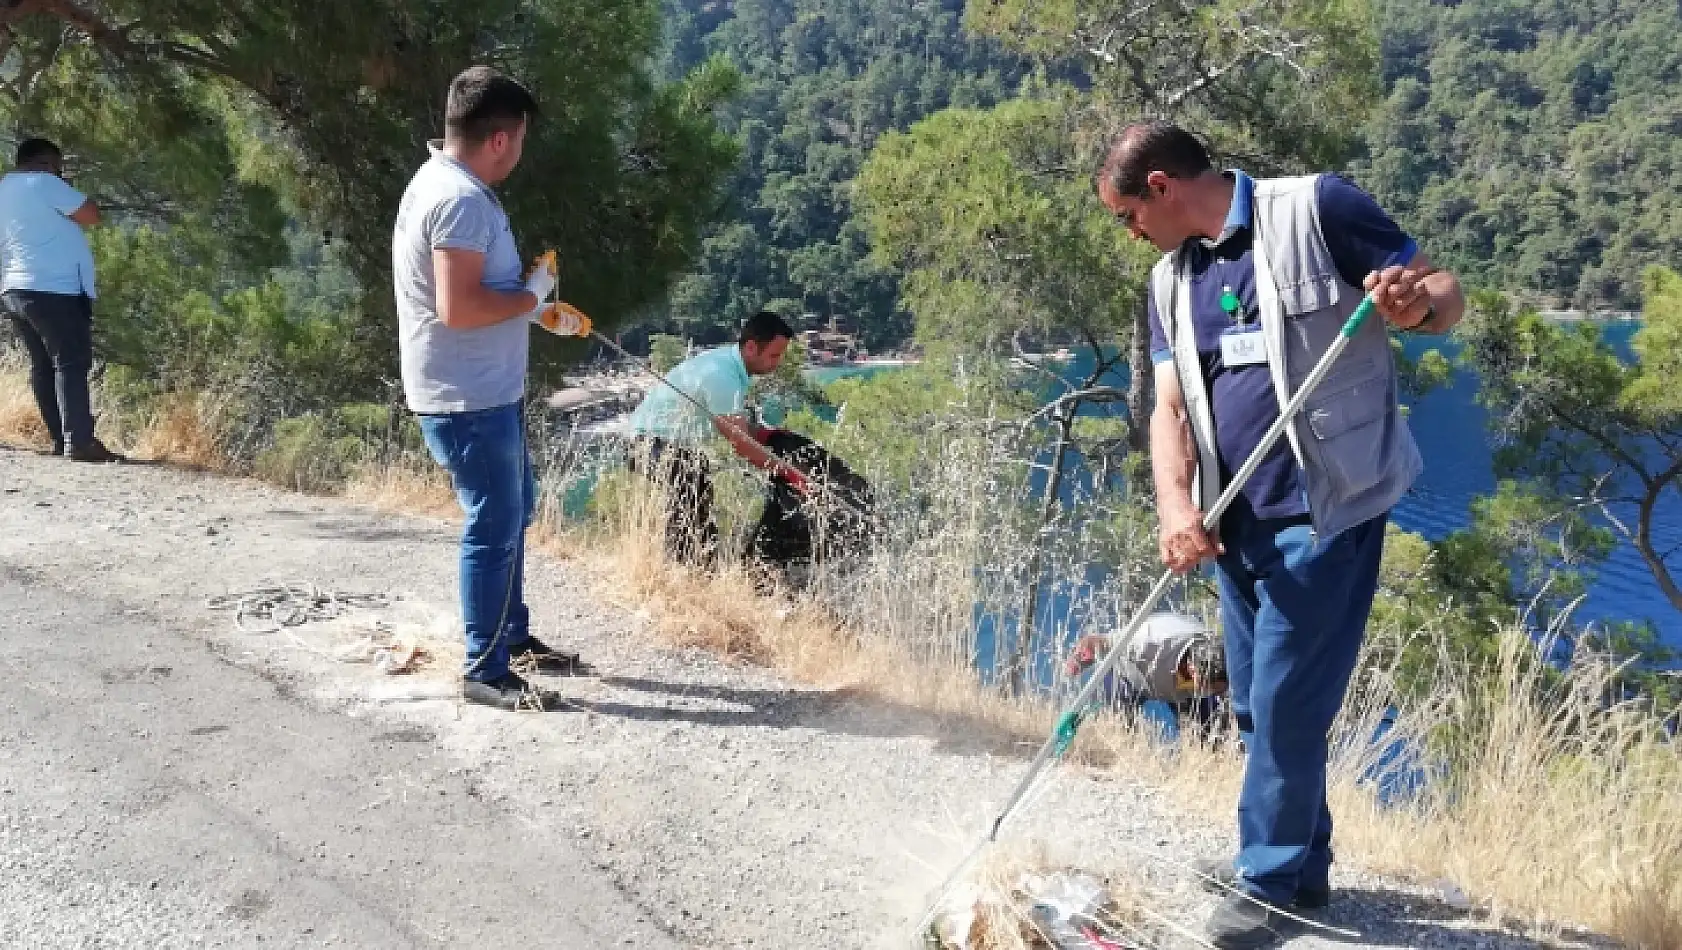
x=1257, y=278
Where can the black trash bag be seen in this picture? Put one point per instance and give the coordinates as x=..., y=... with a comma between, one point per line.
x=838, y=521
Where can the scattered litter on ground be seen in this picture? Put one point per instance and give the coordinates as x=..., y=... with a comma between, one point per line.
x=1453, y=895
x=1055, y=910
x=390, y=654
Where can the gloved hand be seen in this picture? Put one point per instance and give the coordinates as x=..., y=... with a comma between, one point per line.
x=1084, y=655
x=562, y=319
x=541, y=281
x=798, y=482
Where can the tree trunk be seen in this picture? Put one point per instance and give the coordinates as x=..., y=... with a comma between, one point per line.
x=1140, y=380
x=1021, y=655
x=1644, y=540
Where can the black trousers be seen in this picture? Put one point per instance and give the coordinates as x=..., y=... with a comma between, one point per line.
x=57, y=330
x=685, y=476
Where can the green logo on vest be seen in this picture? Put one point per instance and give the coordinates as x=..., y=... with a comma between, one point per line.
x=1229, y=302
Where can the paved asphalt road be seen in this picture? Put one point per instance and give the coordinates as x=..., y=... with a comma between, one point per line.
x=154, y=794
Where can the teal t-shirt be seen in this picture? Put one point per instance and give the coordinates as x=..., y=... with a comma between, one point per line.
x=717, y=379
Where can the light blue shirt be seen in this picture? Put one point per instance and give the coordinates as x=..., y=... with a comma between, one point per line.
x=41, y=249
x=446, y=369
x=718, y=379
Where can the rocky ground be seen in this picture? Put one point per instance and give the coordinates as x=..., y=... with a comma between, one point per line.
x=167, y=779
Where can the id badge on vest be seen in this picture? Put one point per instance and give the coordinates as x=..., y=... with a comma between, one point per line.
x=1243, y=346
x=1242, y=343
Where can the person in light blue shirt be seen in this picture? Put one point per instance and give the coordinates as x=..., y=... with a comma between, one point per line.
x=670, y=431
x=47, y=288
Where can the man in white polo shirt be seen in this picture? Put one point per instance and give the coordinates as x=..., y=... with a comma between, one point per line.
x=47, y=287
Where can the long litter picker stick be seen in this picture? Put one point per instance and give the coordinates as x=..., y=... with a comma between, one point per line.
x=1063, y=735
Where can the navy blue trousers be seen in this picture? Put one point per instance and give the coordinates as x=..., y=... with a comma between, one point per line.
x=1294, y=611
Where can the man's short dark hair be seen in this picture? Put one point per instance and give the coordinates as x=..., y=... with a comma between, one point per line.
x=1152, y=146
x=35, y=151
x=763, y=327
x=484, y=102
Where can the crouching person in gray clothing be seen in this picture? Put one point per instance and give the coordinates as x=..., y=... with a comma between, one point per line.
x=1174, y=660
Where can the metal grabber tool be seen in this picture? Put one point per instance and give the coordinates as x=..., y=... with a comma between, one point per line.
x=1063, y=734
x=550, y=319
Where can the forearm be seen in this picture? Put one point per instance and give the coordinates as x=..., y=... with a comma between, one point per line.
x=1173, y=453
x=739, y=433
x=480, y=306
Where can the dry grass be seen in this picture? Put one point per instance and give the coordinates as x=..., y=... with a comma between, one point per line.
x=404, y=488
x=181, y=430
x=1570, y=812
x=20, y=421
x=801, y=637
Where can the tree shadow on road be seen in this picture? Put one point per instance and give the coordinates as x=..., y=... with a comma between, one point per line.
x=1392, y=918
x=839, y=711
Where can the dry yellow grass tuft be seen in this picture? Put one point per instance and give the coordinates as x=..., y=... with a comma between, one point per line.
x=181, y=430
x=405, y=489
x=20, y=421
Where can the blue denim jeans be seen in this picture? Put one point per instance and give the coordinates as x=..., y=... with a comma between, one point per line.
x=485, y=453
x=1294, y=611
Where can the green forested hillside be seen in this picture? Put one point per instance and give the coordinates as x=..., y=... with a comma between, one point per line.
x=1533, y=145
x=822, y=79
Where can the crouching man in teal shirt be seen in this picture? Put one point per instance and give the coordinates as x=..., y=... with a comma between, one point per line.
x=671, y=431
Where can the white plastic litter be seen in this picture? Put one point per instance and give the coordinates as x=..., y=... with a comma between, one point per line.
x=1069, y=907
x=1453, y=896
x=1068, y=910
x=957, y=926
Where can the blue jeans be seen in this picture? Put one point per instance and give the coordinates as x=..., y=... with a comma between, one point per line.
x=1294, y=609
x=485, y=453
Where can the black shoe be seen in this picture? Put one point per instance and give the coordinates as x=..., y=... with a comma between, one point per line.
x=535, y=656
x=510, y=693
x=1219, y=877
x=1243, y=923
x=93, y=451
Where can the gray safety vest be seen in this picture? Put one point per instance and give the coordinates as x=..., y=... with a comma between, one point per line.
x=1355, y=451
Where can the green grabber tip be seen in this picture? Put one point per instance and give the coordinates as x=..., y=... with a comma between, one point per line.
x=1067, y=724
x=1359, y=317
